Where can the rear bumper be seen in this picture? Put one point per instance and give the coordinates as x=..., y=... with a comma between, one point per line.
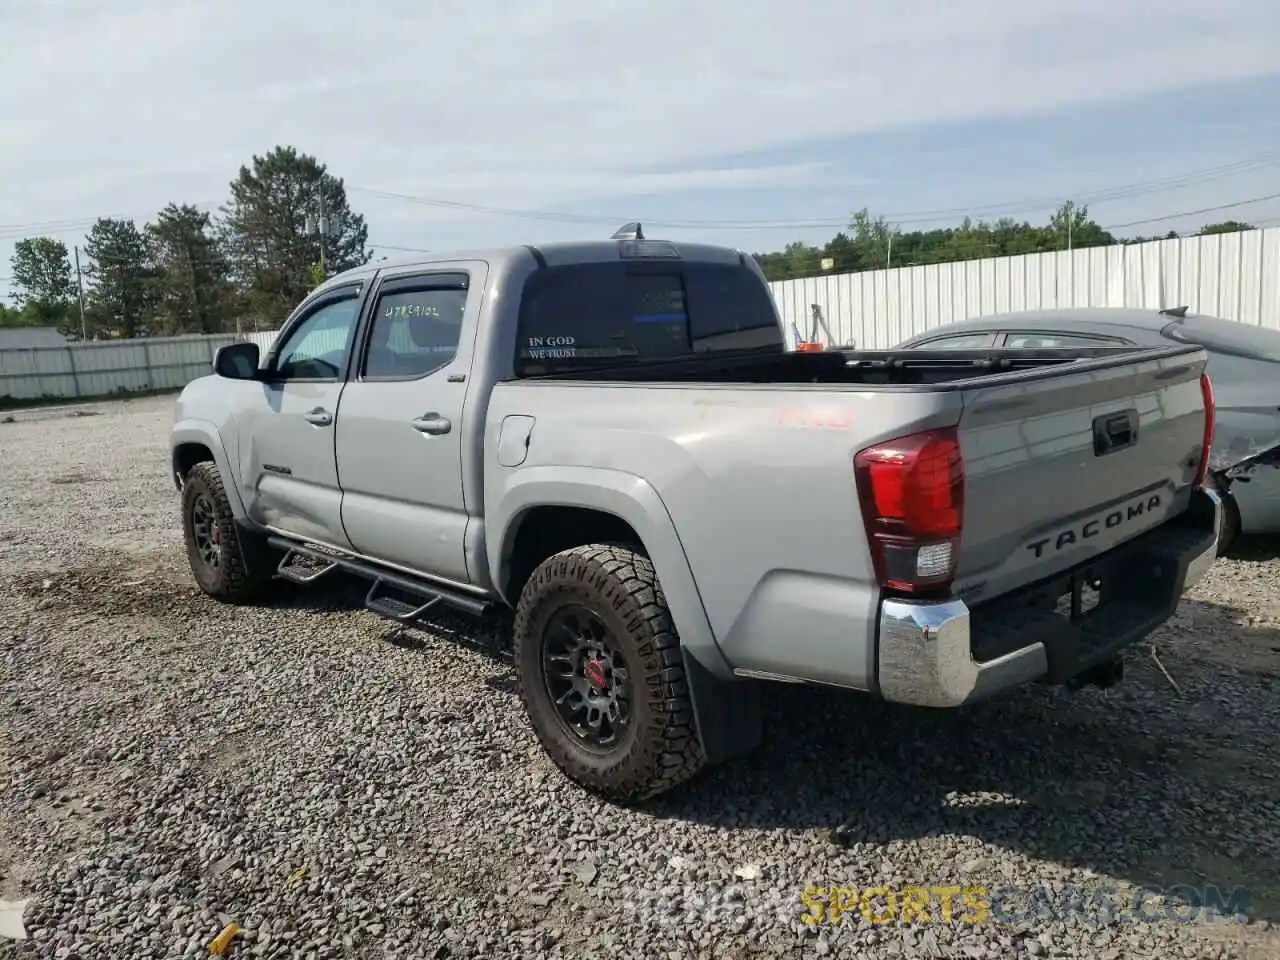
x=944, y=654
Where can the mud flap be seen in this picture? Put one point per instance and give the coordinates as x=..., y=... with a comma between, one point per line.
x=728, y=712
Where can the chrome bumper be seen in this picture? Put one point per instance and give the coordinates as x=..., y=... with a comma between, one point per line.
x=925, y=657
x=925, y=650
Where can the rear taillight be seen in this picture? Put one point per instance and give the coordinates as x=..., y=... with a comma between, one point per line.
x=1206, y=391
x=912, y=495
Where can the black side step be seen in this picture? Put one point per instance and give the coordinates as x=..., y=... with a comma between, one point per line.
x=396, y=608
x=286, y=570
x=428, y=595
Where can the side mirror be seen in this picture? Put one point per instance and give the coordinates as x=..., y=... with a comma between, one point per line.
x=237, y=361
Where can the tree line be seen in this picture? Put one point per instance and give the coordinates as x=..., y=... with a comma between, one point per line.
x=286, y=226
x=871, y=243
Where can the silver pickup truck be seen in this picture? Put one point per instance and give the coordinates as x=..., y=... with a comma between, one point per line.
x=607, y=446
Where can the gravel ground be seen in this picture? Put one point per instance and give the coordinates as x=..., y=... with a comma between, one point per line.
x=341, y=789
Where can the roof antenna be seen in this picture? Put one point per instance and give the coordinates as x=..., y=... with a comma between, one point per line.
x=1179, y=312
x=629, y=231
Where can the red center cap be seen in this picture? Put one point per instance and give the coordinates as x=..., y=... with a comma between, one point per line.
x=594, y=670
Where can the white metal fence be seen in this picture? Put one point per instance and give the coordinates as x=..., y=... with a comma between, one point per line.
x=104, y=367
x=1236, y=276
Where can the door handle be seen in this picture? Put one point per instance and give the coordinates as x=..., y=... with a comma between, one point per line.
x=319, y=416
x=431, y=423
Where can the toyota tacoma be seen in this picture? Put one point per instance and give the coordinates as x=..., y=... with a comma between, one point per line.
x=608, y=446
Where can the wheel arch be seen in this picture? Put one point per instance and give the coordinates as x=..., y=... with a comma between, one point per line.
x=587, y=502
x=548, y=509
x=193, y=442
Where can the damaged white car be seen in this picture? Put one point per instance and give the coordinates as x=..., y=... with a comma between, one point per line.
x=1244, y=367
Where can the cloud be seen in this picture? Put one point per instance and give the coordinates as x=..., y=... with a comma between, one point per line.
x=548, y=104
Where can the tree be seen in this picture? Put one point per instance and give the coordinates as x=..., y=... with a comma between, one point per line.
x=873, y=240
x=1226, y=226
x=192, y=288
x=1072, y=228
x=1170, y=235
x=265, y=229
x=122, y=280
x=43, y=286
x=9, y=317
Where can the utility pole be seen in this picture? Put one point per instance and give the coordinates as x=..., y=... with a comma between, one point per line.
x=196, y=316
x=319, y=225
x=84, y=329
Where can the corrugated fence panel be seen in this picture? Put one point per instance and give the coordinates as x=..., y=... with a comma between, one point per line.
x=1235, y=276
x=27, y=373
x=118, y=366
x=176, y=361
x=264, y=340
x=1253, y=248
x=1269, y=279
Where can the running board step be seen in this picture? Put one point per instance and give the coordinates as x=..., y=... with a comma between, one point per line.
x=313, y=567
x=396, y=608
x=427, y=595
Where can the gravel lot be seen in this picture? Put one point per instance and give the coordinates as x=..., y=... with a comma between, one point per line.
x=340, y=789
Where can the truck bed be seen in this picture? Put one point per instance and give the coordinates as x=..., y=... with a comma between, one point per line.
x=914, y=368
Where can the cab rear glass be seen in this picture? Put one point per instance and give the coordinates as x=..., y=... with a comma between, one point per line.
x=602, y=314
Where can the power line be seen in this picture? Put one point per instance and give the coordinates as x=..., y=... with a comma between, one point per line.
x=1101, y=195
x=1192, y=213
x=53, y=227
x=917, y=216
x=45, y=225
x=1105, y=195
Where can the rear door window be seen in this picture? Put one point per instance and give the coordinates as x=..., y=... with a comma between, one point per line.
x=417, y=323
x=590, y=314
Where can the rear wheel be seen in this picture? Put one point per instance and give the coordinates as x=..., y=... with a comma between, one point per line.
x=215, y=548
x=601, y=676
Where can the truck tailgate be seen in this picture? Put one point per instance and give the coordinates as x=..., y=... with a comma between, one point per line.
x=1066, y=463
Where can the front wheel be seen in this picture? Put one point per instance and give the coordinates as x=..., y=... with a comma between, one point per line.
x=601, y=675
x=214, y=549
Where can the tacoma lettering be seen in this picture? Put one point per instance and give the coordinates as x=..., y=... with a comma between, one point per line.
x=1115, y=518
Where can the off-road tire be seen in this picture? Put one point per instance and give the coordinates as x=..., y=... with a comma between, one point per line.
x=662, y=748
x=233, y=580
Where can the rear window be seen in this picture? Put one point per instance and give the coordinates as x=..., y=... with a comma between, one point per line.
x=1227, y=336
x=591, y=314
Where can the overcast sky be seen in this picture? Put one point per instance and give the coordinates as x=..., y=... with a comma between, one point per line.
x=753, y=110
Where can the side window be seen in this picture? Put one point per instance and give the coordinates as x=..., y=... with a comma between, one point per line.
x=316, y=347
x=960, y=341
x=1050, y=341
x=415, y=329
